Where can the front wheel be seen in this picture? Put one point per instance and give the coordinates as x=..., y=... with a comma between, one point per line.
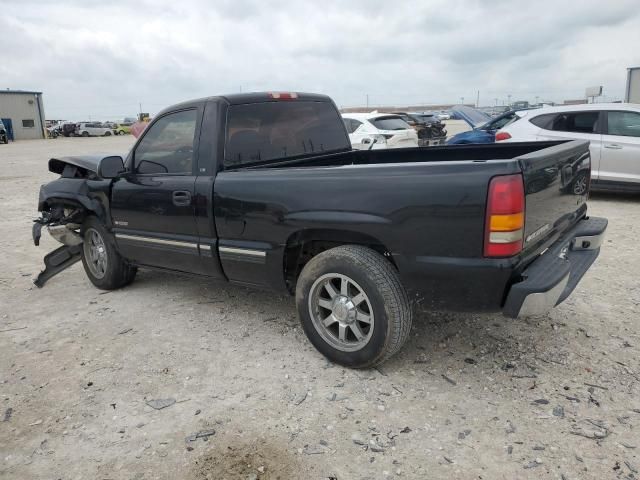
x=102, y=263
x=352, y=306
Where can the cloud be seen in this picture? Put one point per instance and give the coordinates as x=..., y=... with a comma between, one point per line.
x=102, y=59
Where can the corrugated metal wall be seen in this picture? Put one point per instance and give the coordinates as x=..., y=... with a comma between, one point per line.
x=22, y=109
x=633, y=85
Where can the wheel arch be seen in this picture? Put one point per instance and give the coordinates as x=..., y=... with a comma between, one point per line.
x=302, y=245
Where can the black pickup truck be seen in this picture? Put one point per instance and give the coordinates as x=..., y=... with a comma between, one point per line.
x=263, y=189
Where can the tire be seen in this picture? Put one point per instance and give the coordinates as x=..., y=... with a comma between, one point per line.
x=85, y=134
x=114, y=272
x=385, y=303
x=580, y=185
x=107, y=133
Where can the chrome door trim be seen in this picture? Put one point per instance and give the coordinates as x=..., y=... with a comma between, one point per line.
x=157, y=241
x=242, y=251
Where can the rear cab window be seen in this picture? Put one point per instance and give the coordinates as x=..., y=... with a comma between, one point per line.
x=264, y=131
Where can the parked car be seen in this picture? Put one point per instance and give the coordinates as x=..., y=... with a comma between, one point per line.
x=264, y=190
x=4, y=136
x=123, y=128
x=483, y=127
x=430, y=132
x=68, y=129
x=613, y=130
x=375, y=131
x=54, y=131
x=443, y=115
x=92, y=129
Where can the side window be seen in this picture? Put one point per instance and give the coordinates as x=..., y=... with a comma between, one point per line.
x=355, y=124
x=348, y=124
x=580, y=122
x=544, y=121
x=167, y=147
x=626, y=124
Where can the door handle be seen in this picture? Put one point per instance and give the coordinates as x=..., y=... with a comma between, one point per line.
x=181, y=198
x=613, y=146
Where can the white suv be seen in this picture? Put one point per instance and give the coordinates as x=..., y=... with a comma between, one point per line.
x=612, y=128
x=379, y=131
x=92, y=129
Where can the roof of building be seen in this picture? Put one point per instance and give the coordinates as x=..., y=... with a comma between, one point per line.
x=20, y=91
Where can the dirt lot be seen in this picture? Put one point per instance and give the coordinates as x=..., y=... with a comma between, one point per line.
x=246, y=396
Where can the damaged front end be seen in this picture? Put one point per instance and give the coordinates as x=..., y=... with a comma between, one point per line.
x=64, y=205
x=63, y=224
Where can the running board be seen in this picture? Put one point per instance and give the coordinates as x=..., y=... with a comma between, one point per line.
x=57, y=261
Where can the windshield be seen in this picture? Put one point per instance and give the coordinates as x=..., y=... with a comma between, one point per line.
x=474, y=117
x=259, y=132
x=390, y=123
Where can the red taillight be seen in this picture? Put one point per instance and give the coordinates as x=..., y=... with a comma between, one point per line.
x=283, y=95
x=502, y=136
x=504, y=224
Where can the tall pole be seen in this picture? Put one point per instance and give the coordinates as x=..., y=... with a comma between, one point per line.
x=462, y=100
x=509, y=100
x=478, y=99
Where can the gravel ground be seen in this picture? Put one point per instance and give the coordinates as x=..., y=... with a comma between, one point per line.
x=83, y=374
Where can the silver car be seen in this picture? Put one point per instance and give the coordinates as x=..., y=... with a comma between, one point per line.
x=93, y=129
x=612, y=128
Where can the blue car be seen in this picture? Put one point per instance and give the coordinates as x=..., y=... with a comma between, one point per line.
x=484, y=127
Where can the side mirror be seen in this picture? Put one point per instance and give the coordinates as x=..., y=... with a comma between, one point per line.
x=110, y=167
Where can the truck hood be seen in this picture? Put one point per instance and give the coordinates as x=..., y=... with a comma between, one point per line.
x=474, y=117
x=86, y=162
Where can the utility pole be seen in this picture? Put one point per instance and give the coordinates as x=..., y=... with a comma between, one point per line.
x=478, y=99
x=536, y=99
x=509, y=100
x=140, y=104
x=367, y=100
x=462, y=100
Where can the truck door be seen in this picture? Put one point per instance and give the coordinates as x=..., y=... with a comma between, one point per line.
x=152, y=206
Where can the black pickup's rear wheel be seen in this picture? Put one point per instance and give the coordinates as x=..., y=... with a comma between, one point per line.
x=102, y=263
x=352, y=306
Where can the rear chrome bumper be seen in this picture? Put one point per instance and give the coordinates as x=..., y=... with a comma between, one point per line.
x=551, y=278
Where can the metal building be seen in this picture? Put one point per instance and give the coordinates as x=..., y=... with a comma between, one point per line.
x=22, y=113
x=632, y=92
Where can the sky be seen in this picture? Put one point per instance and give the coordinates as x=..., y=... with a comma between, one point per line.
x=106, y=59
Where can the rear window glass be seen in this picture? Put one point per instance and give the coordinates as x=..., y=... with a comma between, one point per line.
x=259, y=132
x=390, y=123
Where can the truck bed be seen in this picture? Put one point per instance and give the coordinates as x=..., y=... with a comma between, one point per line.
x=424, y=207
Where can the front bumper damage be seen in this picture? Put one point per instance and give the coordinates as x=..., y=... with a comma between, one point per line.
x=64, y=226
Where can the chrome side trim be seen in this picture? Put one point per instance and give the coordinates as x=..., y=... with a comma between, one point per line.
x=243, y=251
x=157, y=241
x=541, y=303
x=205, y=247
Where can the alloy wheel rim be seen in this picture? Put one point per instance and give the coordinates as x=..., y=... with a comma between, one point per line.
x=95, y=252
x=341, y=312
x=580, y=186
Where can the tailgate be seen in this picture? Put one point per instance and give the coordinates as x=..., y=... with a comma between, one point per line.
x=556, y=183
